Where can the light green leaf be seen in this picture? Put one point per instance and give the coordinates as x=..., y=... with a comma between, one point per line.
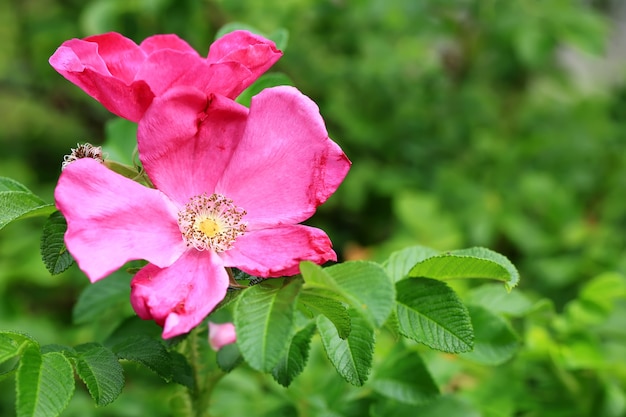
x=53, y=251
x=44, y=384
x=121, y=141
x=101, y=372
x=294, y=360
x=401, y=262
x=321, y=301
x=468, y=263
x=404, y=377
x=271, y=79
x=431, y=313
x=8, y=348
x=146, y=351
x=9, y=184
x=16, y=205
x=264, y=319
x=494, y=342
x=351, y=357
x=364, y=285
x=96, y=298
x=498, y=300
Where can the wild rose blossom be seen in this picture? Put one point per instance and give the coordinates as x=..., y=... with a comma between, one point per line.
x=125, y=77
x=232, y=184
x=221, y=335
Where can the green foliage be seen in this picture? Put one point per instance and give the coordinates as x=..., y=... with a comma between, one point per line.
x=53, y=251
x=18, y=202
x=101, y=371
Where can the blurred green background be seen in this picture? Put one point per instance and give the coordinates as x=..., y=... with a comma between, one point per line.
x=468, y=122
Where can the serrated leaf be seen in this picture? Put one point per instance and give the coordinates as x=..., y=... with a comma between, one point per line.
x=181, y=370
x=146, y=351
x=351, y=357
x=16, y=205
x=404, y=377
x=100, y=370
x=44, y=384
x=494, y=342
x=271, y=79
x=100, y=296
x=320, y=301
x=294, y=360
x=53, y=251
x=401, y=262
x=431, y=313
x=264, y=319
x=364, y=285
x=20, y=338
x=228, y=357
x=468, y=263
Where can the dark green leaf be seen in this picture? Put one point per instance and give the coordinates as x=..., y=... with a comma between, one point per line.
x=181, y=370
x=44, y=384
x=494, y=340
x=146, y=351
x=264, y=319
x=468, y=263
x=101, y=372
x=404, y=377
x=294, y=360
x=229, y=357
x=351, y=357
x=53, y=251
x=108, y=293
x=431, y=313
x=321, y=301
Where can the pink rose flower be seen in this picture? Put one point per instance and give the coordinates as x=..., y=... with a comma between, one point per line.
x=232, y=184
x=125, y=77
x=221, y=335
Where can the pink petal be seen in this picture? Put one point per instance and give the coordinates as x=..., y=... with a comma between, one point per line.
x=170, y=41
x=111, y=220
x=285, y=165
x=80, y=62
x=167, y=68
x=254, y=52
x=186, y=139
x=122, y=56
x=180, y=296
x=221, y=335
x=278, y=251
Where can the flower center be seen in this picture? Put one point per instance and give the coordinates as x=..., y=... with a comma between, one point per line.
x=211, y=222
x=86, y=150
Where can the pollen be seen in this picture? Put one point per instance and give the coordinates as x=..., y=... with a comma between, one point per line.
x=211, y=222
x=86, y=150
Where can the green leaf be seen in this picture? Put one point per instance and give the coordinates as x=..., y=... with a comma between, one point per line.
x=267, y=80
x=16, y=205
x=121, y=140
x=443, y=406
x=494, y=342
x=96, y=298
x=294, y=360
x=468, y=263
x=44, y=384
x=320, y=301
x=431, y=313
x=101, y=372
x=9, y=184
x=498, y=300
x=404, y=377
x=351, y=357
x=229, y=357
x=9, y=348
x=364, y=285
x=264, y=319
x=53, y=251
x=401, y=262
x=146, y=351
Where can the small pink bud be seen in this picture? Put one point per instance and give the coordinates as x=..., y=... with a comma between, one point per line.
x=221, y=335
